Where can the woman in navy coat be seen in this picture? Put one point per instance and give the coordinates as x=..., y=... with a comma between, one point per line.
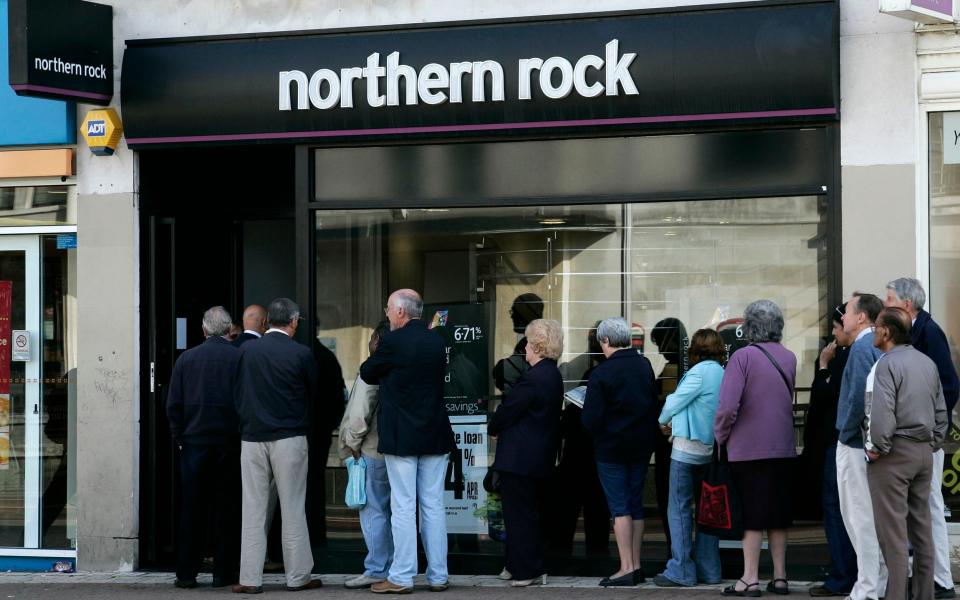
x=620, y=412
x=527, y=427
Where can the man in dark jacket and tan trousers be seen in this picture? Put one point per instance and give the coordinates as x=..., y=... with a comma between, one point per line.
x=905, y=422
x=276, y=384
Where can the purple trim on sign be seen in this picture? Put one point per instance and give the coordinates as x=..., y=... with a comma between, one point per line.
x=22, y=87
x=804, y=112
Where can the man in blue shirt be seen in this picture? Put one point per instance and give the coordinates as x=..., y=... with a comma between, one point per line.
x=855, y=504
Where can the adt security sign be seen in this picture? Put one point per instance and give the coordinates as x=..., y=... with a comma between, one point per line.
x=102, y=130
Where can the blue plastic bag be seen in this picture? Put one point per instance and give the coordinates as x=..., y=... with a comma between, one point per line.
x=356, y=494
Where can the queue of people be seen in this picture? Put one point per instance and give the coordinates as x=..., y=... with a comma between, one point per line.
x=884, y=387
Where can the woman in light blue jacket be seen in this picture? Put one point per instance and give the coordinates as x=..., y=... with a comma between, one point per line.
x=688, y=417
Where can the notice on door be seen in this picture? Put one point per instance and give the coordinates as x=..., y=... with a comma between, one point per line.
x=463, y=491
x=463, y=328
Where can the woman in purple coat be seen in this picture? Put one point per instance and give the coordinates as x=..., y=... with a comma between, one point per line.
x=755, y=422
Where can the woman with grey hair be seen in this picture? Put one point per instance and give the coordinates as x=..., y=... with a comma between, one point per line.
x=754, y=421
x=620, y=412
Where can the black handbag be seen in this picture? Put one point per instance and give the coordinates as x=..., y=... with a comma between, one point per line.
x=719, y=511
x=491, y=482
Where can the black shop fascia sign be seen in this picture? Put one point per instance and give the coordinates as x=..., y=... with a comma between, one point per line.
x=758, y=63
x=61, y=49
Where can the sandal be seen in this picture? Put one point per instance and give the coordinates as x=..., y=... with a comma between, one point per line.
x=773, y=587
x=731, y=590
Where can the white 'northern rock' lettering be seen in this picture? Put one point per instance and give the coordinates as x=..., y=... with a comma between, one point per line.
x=436, y=83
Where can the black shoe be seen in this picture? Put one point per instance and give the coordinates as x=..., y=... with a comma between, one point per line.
x=752, y=590
x=942, y=593
x=822, y=591
x=638, y=577
x=622, y=581
x=773, y=588
x=663, y=581
x=185, y=583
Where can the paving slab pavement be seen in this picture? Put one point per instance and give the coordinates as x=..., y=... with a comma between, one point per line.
x=137, y=586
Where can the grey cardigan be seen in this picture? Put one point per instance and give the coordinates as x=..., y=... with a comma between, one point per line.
x=904, y=398
x=358, y=429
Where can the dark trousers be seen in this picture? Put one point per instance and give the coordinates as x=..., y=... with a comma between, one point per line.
x=661, y=476
x=316, y=490
x=521, y=519
x=843, y=558
x=900, y=492
x=209, y=476
x=575, y=486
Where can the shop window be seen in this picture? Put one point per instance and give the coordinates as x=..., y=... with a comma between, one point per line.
x=669, y=268
x=943, y=297
x=58, y=445
x=40, y=205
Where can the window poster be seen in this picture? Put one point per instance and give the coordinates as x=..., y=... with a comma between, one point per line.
x=463, y=328
x=463, y=494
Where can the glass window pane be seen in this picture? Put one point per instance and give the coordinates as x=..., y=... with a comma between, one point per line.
x=58, y=417
x=669, y=268
x=944, y=294
x=40, y=205
x=13, y=387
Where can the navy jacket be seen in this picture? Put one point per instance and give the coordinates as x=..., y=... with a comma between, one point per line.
x=528, y=422
x=409, y=367
x=820, y=429
x=331, y=400
x=243, y=338
x=927, y=337
x=275, y=388
x=200, y=401
x=620, y=410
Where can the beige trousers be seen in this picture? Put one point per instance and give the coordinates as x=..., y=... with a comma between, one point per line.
x=285, y=463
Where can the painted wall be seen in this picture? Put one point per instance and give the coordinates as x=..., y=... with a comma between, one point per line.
x=107, y=386
x=878, y=146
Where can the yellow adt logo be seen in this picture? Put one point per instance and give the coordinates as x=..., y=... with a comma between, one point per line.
x=102, y=130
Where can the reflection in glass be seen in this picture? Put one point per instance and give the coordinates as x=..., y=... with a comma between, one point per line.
x=943, y=297
x=40, y=205
x=698, y=263
x=58, y=416
x=13, y=435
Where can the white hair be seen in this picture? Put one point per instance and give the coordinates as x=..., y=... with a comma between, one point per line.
x=908, y=288
x=217, y=321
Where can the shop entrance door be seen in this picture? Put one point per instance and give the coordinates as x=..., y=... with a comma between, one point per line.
x=20, y=410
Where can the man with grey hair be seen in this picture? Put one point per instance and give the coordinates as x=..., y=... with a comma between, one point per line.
x=203, y=423
x=415, y=438
x=927, y=337
x=276, y=384
x=854, y=489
